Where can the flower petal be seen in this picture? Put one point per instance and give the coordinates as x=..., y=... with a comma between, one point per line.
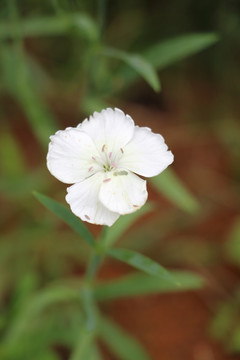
x=110, y=128
x=83, y=199
x=70, y=154
x=123, y=192
x=146, y=154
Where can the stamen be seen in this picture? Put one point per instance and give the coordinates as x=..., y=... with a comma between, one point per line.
x=114, y=165
x=93, y=158
x=103, y=147
x=121, y=150
x=110, y=155
x=90, y=169
x=106, y=180
x=87, y=217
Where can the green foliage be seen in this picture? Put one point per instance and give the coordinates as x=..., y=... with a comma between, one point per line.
x=225, y=325
x=83, y=349
x=141, y=284
x=143, y=263
x=81, y=24
x=170, y=186
x=19, y=84
x=121, y=343
x=170, y=51
x=137, y=63
x=67, y=216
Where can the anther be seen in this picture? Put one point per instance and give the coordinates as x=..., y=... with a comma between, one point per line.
x=110, y=155
x=106, y=180
x=121, y=150
x=87, y=217
x=103, y=147
x=90, y=169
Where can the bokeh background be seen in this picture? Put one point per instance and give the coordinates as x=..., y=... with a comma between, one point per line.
x=60, y=60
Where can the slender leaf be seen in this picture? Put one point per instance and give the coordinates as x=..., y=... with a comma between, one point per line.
x=141, y=284
x=171, y=187
x=83, y=348
x=143, y=263
x=167, y=52
x=67, y=216
x=137, y=63
x=50, y=25
x=124, y=222
x=121, y=343
x=172, y=50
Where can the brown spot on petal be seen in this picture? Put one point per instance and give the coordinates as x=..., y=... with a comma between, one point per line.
x=136, y=206
x=121, y=150
x=87, y=217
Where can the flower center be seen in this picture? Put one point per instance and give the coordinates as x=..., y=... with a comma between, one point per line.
x=107, y=160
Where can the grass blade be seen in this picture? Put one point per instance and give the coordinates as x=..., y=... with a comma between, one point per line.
x=121, y=343
x=170, y=51
x=168, y=184
x=67, y=216
x=143, y=263
x=137, y=63
x=50, y=25
x=141, y=284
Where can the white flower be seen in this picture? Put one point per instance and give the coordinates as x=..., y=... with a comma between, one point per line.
x=101, y=157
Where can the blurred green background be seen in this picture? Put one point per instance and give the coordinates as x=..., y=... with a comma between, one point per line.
x=173, y=66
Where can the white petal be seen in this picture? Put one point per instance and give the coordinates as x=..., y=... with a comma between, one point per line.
x=123, y=192
x=83, y=199
x=110, y=128
x=70, y=154
x=146, y=154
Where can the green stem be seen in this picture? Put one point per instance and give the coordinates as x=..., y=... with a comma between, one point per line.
x=88, y=333
x=96, y=257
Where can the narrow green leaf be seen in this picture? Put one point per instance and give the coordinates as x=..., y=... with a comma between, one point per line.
x=121, y=343
x=143, y=263
x=170, y=51
x=139, y=64
x=141, y=284
x=50, y=25
x=67, y=216
x=83, y=348
x=169, y=185
x=124, y=222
